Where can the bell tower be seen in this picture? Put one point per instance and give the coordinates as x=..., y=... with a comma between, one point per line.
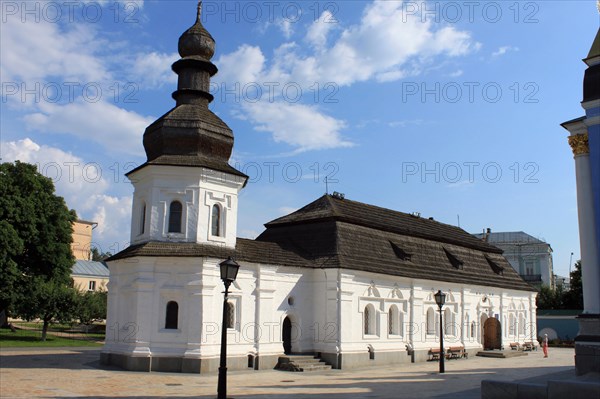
x=186, y=191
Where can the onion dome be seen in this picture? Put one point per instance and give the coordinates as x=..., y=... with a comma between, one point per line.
x=191, y=134
x=196, y=41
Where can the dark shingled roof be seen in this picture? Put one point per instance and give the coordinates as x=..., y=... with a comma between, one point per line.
x=246, y=250
x=195, y=161
x=331, y=208
x=336, y=233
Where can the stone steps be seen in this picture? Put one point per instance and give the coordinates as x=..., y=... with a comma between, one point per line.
x=303, y=363
x=501, y=354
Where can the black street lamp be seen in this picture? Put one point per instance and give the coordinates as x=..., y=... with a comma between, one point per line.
x=440, y=299
x=229, y=271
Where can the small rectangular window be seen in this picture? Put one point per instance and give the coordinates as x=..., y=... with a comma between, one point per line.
x=92, y=286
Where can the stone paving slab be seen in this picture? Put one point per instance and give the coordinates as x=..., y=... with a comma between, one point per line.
x=77, y=373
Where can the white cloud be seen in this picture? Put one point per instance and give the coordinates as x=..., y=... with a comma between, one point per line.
x=45, y=50
x=301, y=126
x=114, y=128
x=318, y=31
x=113, y=216
x=286, y=27
x=153, y=70
x=378, y=47
x=83, y=186
x=384, y=46
x=503, y=50
x=245, y=65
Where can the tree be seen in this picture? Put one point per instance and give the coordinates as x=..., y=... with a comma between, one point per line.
x=573, y=299
x=558, y=299
x=548, y=298
x=35, y=240
x=49, y=300
x=91, y=306
x=100, y=256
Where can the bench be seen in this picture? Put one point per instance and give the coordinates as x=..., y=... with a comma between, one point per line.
x=529, y=346
x=434, y=354
x=456, y=352
x=515, y=346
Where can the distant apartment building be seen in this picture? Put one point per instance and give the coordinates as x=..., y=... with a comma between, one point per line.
x=529, y=256
x=82, y=239
x=87, y=275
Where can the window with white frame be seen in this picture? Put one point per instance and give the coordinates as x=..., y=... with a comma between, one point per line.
x=369, y=320
x=172, y=316
x=522, y=324
x=230, y=315
x=92, y=285
x=430, y=322
x=512, y=324
x=393, y=320
x=216, y=220
x=143, y=219
x=175, y=214
x=449, y=322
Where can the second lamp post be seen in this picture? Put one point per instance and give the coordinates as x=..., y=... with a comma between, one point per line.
x=229, y=271
x=440, y=299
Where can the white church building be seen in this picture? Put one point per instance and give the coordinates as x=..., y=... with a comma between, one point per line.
x=348, y=282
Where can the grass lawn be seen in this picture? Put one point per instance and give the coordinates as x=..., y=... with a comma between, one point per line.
x=28, y=338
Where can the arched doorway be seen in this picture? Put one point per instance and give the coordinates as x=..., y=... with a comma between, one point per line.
x=286, y=335
x=492, y=334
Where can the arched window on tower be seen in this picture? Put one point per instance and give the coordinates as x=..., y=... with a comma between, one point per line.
x=143, y=219
x=229, y=315
x=216, y=220
x=175, y=213
x=172, y=315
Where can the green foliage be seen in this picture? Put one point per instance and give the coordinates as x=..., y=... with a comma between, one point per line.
x=91, y=306
x=10, y=246
x=48, y=300
x=573, y=299
x=35, y=239
x=549, y=299
x=100, y=256
x=28, y=338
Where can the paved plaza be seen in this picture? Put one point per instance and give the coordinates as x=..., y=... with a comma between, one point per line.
x=77, y=373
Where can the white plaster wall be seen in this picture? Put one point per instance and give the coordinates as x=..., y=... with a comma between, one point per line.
x=198, y=189
x=327, y=309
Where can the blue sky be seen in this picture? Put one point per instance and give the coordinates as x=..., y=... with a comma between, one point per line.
x=450, y=109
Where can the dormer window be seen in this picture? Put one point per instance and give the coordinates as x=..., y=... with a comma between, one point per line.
x=216, y=220
x=400, y=253
x=175, y=213
x=498, y=269
x=457, y=263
